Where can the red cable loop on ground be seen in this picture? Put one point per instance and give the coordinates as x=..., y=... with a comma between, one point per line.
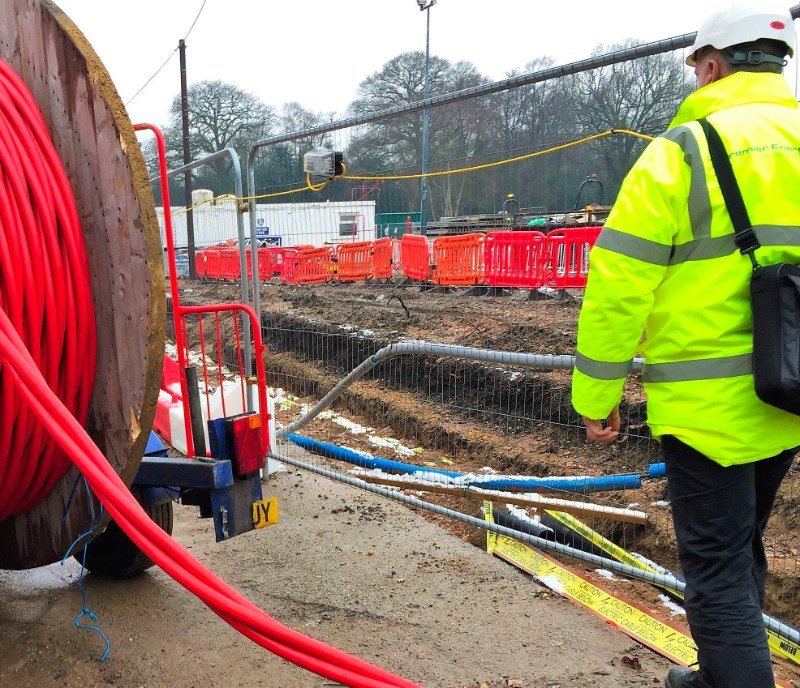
x=41, y=366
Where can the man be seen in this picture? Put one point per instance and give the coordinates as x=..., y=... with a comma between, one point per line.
x=666, y=265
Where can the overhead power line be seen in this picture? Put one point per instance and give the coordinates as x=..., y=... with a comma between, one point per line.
x=169, y=57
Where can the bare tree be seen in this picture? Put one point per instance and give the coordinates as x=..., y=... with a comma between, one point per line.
x=640, y=95
x=221, y=115
x=395, y=144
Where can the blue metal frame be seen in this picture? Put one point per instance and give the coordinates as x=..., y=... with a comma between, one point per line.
x=208, y=483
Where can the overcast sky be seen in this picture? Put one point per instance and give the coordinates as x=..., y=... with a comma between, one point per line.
x=317, y=52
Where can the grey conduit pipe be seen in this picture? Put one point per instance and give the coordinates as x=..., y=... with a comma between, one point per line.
x=549, y=361
x=657, y=579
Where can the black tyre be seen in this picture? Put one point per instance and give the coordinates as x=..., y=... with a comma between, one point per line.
x=113, y=554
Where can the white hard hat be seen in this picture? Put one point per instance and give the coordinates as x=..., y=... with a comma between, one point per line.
x=743, y=25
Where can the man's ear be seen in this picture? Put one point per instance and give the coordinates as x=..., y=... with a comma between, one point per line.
x=718, y=67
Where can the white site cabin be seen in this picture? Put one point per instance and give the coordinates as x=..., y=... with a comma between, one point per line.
x=277, y=224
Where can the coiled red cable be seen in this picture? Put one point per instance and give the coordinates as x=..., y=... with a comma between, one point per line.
x=35, y=380
x=44, y=290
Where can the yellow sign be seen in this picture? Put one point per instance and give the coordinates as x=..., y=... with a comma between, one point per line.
x=656, y=634
x=265, y=512
x=659, y=635
x=781, y=647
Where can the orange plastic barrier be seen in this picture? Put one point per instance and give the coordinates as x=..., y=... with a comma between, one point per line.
x=569, y=256
x=382, y=258
x=397, y=257
x=314, y=265
x=354, y=261
x=458, y=260
x=515, y=259
x=415, y=257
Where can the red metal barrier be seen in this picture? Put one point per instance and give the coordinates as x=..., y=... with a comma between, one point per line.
x=415, y=257
x=569, y=256
x=515, y=259
x=314, y=265
x=354, y=261
x=382, y=258
x=458, y=260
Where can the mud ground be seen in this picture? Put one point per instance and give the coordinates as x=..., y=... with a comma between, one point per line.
x=414, y=593
x=368, y=576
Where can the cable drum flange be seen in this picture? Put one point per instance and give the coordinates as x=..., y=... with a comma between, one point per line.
x=94, y=139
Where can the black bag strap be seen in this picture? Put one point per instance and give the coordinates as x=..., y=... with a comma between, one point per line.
x=745, y=237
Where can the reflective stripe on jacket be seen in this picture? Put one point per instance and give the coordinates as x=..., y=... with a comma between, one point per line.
x=666, y=265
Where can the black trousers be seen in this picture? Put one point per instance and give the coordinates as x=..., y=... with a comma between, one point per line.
x=720, y=515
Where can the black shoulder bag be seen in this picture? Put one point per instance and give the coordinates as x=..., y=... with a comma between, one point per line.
x=774, y=296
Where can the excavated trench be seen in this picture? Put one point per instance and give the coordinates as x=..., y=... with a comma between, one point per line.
x=426, y=395
x=514, y=420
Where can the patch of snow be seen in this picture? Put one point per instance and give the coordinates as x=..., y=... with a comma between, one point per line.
x=551, y=582
x=670, y=604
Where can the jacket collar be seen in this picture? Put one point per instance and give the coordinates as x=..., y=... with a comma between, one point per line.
x=740, y=88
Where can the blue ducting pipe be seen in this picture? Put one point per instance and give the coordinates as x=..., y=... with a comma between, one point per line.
x=580, y=484
x=333, y=451
x=583, y=484
x=657, y=470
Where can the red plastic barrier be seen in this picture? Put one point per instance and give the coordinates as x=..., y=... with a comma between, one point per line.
x=515, y=259
x=569, y=256
x=200, y=265
x=289, y=272
x=314, y=265
x=382, y=258
x=458, y=260
x=415, y=257
x=212, y=267
x=229, y=267
x=249, y=262
x=354, y=261
x=270, y=262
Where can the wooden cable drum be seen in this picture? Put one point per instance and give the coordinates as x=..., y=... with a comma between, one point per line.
x=95, y=140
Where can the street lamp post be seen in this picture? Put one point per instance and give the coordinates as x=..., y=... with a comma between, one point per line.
x=425, y=6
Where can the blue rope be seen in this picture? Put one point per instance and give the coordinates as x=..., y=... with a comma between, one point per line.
x=94, y=524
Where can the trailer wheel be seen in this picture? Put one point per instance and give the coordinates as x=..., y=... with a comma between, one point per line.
x=113, y=554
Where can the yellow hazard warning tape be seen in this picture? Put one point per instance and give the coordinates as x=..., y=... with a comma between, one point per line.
x=658, y=634
x=598, y=540
x=780, y=647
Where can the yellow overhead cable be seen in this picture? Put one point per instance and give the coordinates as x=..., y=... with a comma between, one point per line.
x=487, y=165
x=318, y=187
x=307, y=187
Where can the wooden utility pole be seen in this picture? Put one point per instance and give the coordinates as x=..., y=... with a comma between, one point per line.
x=187, y=158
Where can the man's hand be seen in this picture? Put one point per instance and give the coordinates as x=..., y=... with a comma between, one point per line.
x=605, y=435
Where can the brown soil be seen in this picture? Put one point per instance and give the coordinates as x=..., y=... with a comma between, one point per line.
x=364, y=574
x=316, y=334
x=331, y=568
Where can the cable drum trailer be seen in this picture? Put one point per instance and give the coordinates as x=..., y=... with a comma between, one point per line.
x=98, y=148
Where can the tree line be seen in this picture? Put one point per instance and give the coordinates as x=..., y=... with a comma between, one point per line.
x=640, y=95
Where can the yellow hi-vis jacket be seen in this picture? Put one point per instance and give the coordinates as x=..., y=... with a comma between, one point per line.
x=666, y=265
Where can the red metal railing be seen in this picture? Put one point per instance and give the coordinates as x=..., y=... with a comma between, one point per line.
x=180, y=312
